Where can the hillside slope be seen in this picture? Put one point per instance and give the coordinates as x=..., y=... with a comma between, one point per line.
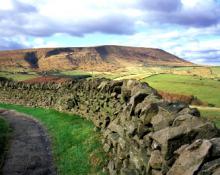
x=100, y=58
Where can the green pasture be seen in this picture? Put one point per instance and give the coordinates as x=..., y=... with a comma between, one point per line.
x=216, y=71
x=205, y=89
x=213, y=115
x=18, y=76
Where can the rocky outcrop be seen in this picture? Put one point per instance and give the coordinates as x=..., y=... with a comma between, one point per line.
x=142, y=133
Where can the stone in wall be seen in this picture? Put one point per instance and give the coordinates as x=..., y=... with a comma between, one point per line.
x=143, y=133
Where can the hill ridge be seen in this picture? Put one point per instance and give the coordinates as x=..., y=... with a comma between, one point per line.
x=101, y=58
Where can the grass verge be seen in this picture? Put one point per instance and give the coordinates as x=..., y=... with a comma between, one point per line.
x=4, y=134
x=76, y=147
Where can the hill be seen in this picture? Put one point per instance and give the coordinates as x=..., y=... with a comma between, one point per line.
x=100, y=58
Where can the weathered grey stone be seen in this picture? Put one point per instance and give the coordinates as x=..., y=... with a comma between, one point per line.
x=172, y=107
x=111, y=168
x=122, y=143
x=216, y=172
x=192, y=111
x=106, y=147
x=171, y=138
x=116, y=128
x=156, y=172
x=137, y=98
x=131, y=128
x=207, y=130
x=187, y=119
x=156, y=160
x=210, y=167
x=143, y=130
x=113, y=137
x=137, y=125
x=136, y=158
x=125, y=171
x=162, y=120
x=148, y=112
x=117, y=89
x=191, y=158
x=215, y=151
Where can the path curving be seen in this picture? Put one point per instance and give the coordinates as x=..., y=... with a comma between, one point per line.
x=29, y=147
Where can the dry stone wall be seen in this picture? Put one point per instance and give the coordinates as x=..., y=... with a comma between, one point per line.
x=142, y=133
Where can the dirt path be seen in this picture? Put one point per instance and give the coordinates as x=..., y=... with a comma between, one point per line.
x=29, y=149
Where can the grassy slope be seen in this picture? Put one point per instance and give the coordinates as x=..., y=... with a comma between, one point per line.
x=216, y=71
x=213, y=115
x=76, y=146
x=205, y=89
x=4, y=133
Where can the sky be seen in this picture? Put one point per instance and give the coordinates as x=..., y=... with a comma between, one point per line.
x=189, y=29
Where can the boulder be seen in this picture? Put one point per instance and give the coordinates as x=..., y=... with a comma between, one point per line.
x=147, y=112
x=173, y=107
x=216, y=172
x=134, y=100
x=106, y=147
x=210, y=167
x=215, y=152
x=156, y=172
x=162, y=120
x=171, y=138
x=156, y=160
x=126, y=171
x=114, y=127
x=187, y=119
x=192, y=111
x=191, y=158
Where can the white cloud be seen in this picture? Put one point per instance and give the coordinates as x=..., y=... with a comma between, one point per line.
x=8, y=5
x=187, y=28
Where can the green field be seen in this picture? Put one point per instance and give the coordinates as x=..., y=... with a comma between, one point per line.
x=216, y=71
x=18, y=76
x=76, y=146
x=138, y=72
x=74, y=72
x=205, y=89
x=213, y=115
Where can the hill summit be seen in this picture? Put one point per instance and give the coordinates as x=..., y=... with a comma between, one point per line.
x=100, y=58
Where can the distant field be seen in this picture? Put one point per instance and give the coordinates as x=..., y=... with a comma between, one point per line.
x=216, y=71
x=213, y=115
x=74, y=72
x=138, y=72
x=205, y=89
x=76, y=146
x=18, y=76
